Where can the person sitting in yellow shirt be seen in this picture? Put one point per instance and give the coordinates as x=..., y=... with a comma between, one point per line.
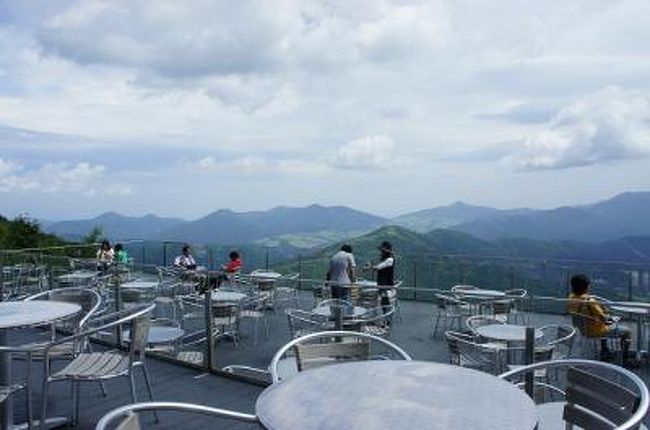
x=595, y=320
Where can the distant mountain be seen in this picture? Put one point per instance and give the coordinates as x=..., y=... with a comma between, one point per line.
x=114, y=226
x=426, y=220
x=228, y=227
x=621, y=216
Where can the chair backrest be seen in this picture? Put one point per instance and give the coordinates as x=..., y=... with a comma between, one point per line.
x=89, y=301
x=331, y=347
x=558, y=336
x=477, y=321
x=225, y=310
x=464, y=350
x=139, y=336
x=303, y=322
x=599, y=396
x=129, y=411
x=587, y=393
x=501, y=306
x=310, y=356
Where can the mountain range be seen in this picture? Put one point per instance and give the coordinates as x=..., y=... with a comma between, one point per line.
x=316, y=226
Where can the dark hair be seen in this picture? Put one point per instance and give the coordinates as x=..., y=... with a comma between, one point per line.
x=386, y=246
x=233, y=255
x=118, y=247
x=346, y=248
x=105, y=243
x=185, y=248
x=580, y=284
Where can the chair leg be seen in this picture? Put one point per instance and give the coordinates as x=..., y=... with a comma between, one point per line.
x=103, y=388
x=74, y=394
x=435, y=327
x=147, y=383
x=134, y=396
x=46, y=386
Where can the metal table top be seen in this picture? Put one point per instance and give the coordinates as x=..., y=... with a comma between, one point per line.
x=227, y=296
x=481, y=293
x=159, y=334
x=382, y=395
x=326, y=311
x=505, y=332
x=80, y=275
x=140, y=284
x=34, y=312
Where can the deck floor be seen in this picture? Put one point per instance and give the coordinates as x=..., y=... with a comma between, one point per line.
x=413, y=332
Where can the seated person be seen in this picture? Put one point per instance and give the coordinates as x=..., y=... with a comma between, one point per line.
x=105, y=256
x=235, y=264
x=596, y=322
x=230, y=269
x=185, y=260
x=121, y=257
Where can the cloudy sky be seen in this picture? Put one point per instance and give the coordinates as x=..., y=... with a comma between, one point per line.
x=181, y=108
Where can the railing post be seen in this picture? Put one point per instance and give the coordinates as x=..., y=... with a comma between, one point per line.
x=415, y=274
x=300, y=271
x=164, y=262
x=530, y=359
x=208, y=359
x=118, y=305
x=629, y=285
x=266, y=262
x=2, y=279
x=143, y=258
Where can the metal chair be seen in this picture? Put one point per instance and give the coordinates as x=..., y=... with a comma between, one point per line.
x=225, y=321
x=451, y=310
x=466, y=351
x=286, y=293
x=518, y=310
x=130, y=420
x=304, y=322
x=99, y=366
x=590, y=395
x=331, y=347
x=253, y=308
x=476, y=321
x=376, y=321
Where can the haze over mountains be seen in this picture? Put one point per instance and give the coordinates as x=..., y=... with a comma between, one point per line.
x=624, y=215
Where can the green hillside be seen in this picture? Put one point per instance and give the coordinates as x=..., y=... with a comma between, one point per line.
x=23, y=233
x=443, y=258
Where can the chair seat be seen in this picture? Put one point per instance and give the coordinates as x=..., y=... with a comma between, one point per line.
x=95, y=365
x=194, y=357
x=251, y=314
x=375, y=330
x=60, y=351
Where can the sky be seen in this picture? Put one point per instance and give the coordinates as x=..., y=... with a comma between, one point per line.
x=182, y=108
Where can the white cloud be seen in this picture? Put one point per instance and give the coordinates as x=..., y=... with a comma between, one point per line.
x=611, y=125
x=56, y=178
x=369, y=152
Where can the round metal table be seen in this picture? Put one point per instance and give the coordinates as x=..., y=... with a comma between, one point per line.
x=20, y=315
x=159, y=334
x=144, y=285
x=505, y=332
x=227, y=296
x=326, y=311
x=382, y=395
x=481, y=293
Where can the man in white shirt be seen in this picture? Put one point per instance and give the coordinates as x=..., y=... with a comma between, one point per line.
x=185, y=260
x=341, y=273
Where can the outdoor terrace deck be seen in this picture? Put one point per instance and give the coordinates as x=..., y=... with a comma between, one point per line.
x=178, y=383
